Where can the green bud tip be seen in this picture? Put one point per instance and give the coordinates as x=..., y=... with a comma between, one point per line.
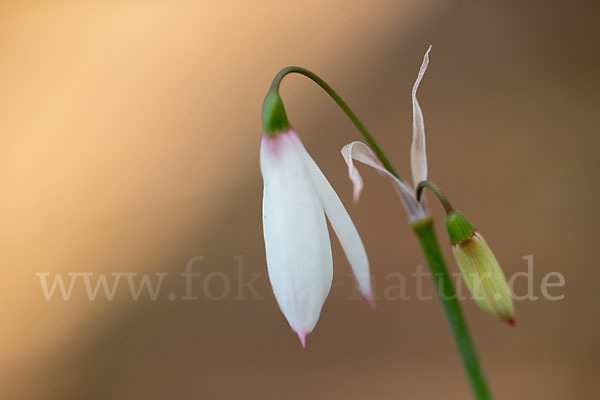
x=459, y=228
x=274, y=117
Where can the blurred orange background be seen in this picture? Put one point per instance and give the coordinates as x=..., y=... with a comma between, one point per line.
x=129, y=136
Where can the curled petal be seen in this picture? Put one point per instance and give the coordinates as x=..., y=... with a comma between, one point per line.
x=361, y=152
x=418, y=152
x=349, y=155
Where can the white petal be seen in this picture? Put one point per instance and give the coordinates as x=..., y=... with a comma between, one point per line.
x=343, y=226
x=296, y=239
x=418, y=152
x=353, y=174
x=360, y=152
x=363, y=153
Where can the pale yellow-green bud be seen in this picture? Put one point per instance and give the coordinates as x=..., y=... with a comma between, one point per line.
x=484, y=277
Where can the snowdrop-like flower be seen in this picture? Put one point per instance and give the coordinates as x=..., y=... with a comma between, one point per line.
x=417, y=210
x=296, y=199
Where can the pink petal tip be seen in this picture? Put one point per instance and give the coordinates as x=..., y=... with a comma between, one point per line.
x=302, y=337
x=371, y=299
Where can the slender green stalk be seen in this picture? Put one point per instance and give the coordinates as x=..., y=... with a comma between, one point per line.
x=438, y=193
x=425, y=232
x=340, y=102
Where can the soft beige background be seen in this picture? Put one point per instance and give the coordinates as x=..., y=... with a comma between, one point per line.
x=129, y=134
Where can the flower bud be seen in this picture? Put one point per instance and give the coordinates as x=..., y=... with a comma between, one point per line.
x=479, y=268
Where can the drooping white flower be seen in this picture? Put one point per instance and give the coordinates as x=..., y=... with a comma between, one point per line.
x=296, y=199
x=417, y=210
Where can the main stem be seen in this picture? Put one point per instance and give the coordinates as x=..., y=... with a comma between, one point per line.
x=425, y=232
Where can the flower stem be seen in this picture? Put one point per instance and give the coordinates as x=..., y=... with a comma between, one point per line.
x=340, y=102
x=425, y=232
x=437, y=191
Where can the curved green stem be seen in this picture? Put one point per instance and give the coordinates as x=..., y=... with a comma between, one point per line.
x=342, y=104
x=425, y=232
x=438, y=193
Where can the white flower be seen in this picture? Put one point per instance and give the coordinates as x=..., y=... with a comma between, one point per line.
x=417, y=211
x=296, y=198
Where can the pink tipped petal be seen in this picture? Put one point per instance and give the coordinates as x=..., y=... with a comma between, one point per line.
x=342, y=225
x=418, y=153
x=363, y=153
x=297, y=242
